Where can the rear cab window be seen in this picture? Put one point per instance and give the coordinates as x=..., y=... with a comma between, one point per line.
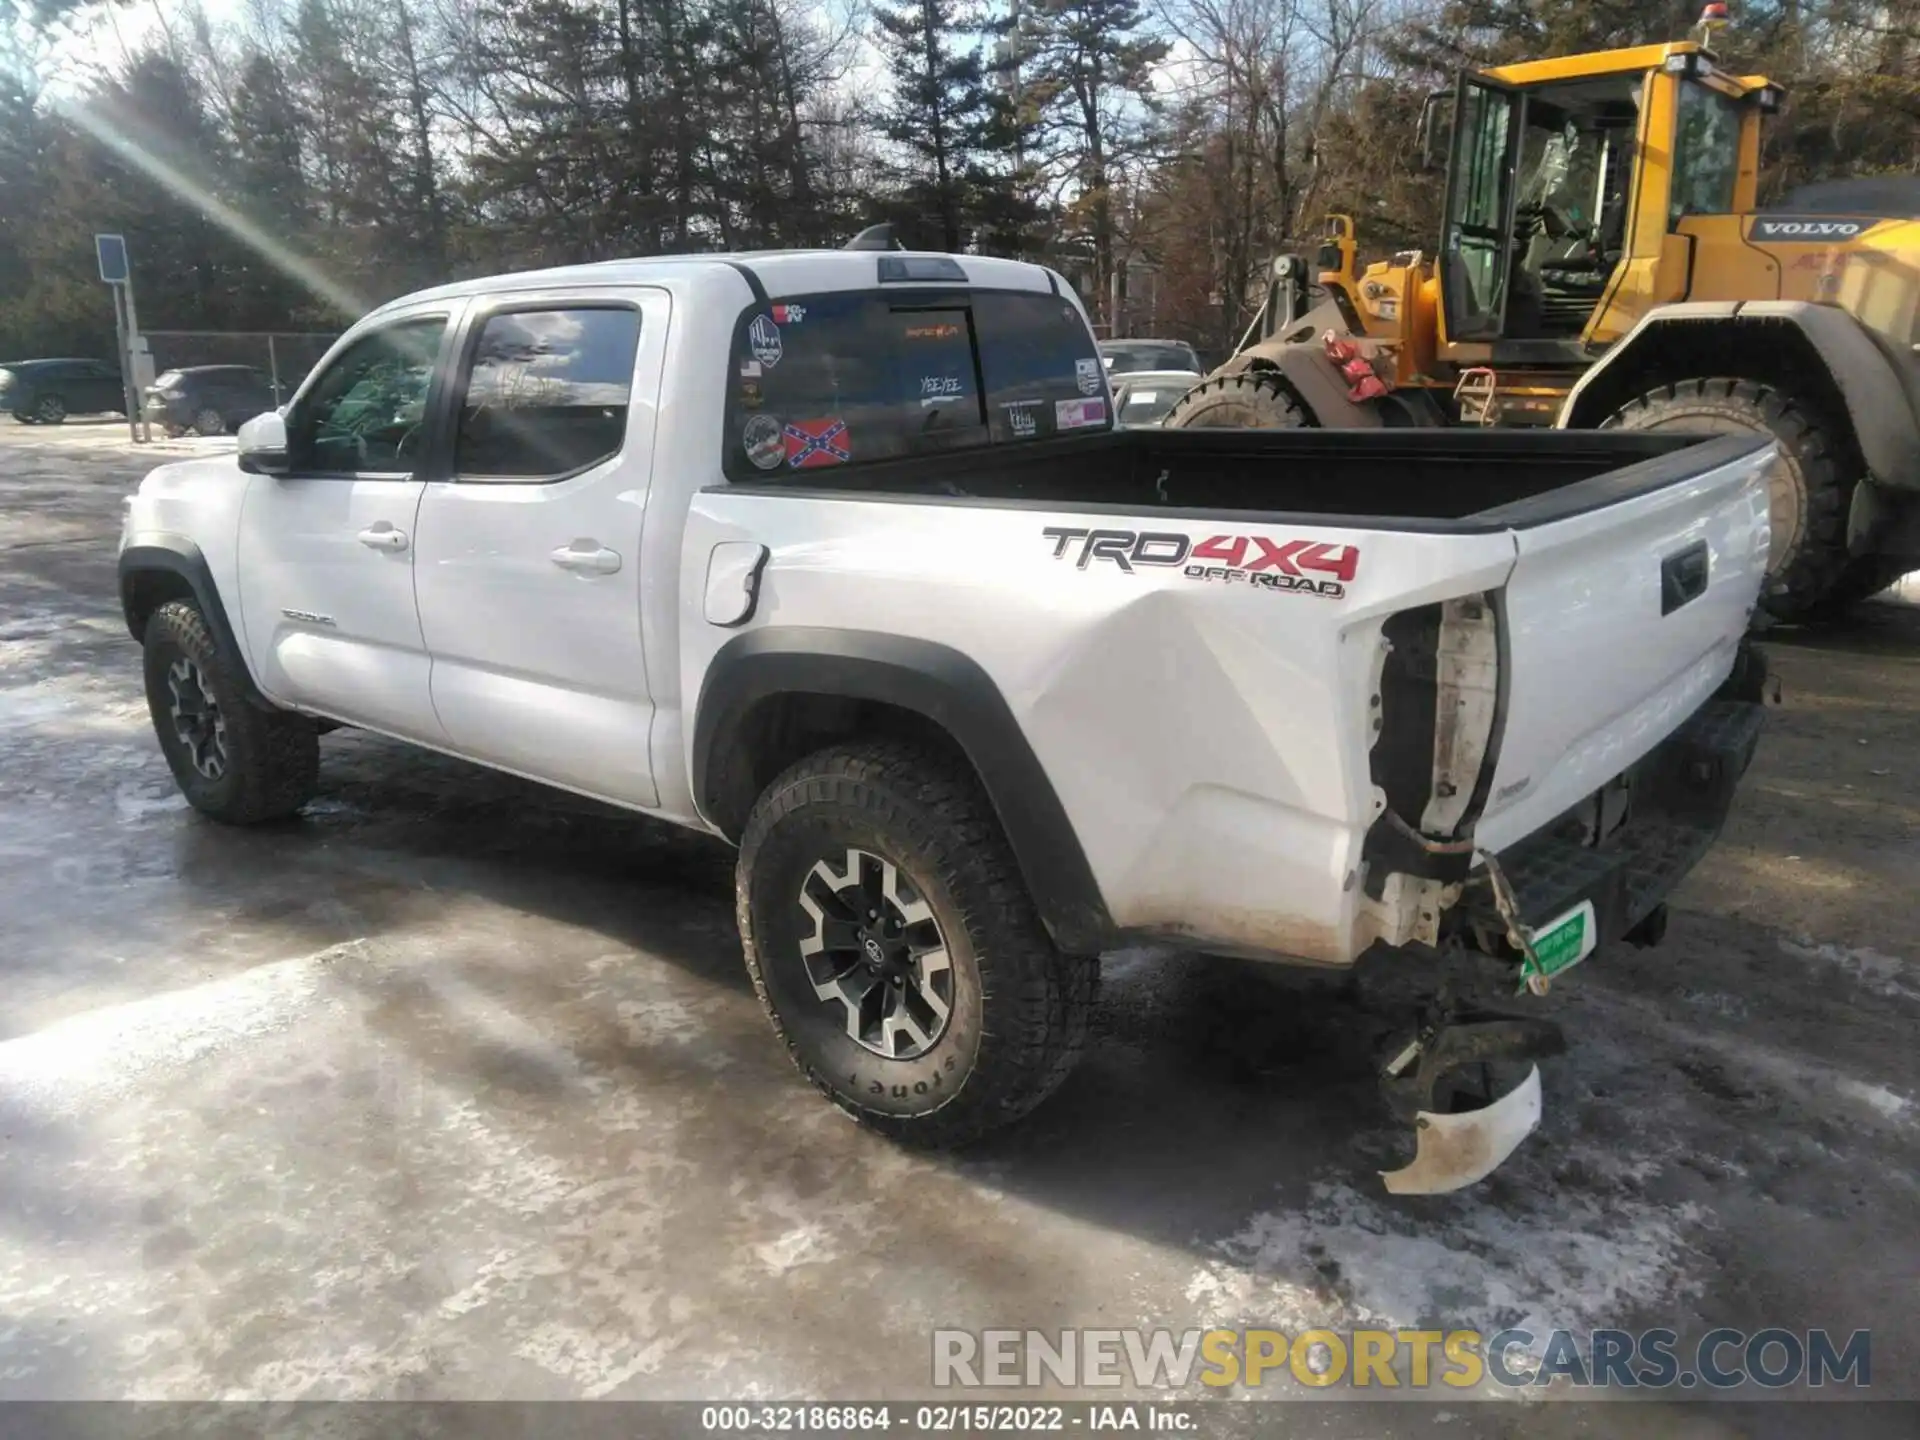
x=851, y=377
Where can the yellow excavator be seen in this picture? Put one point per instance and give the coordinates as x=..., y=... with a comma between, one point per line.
x=1603, y=261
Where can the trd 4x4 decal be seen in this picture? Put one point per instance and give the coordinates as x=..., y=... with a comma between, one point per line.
x=1257, y=561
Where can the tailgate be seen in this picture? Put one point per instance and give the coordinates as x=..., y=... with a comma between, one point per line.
x=1625, y=609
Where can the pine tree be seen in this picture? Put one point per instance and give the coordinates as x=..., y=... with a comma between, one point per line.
x=1091, y=77
x=940, y=113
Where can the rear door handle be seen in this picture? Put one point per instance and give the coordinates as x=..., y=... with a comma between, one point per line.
x=587, y=557
x=382, y=536
x=1683, y=577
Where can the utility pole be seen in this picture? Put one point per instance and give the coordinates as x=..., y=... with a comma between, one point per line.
x=111, y=253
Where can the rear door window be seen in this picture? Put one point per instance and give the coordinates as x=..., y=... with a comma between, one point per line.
x=546, y=393
x=843, y=379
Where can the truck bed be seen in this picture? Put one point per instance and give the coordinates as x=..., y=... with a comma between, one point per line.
x=1223, y=647
x=1430, y=480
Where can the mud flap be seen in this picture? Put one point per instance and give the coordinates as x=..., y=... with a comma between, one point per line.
x=1453, y=1151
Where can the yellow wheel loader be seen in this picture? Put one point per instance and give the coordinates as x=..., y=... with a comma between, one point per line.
x=1603, y=262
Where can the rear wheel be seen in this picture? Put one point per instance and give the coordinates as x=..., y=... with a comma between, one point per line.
x=1808, y=491
x=23, y=417
x=232, y=760
x=209, y=422
x=51, y=410
x=896, y=950
x=1250, y=400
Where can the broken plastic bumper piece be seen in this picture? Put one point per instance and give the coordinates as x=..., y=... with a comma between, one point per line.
x=1453, y=1151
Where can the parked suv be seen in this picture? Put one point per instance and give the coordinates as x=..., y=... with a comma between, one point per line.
x=45, y=392
x=208, y=399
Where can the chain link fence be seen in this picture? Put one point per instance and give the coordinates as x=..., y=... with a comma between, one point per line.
x=283, y=356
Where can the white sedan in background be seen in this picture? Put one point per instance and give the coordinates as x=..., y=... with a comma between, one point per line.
x=1144, y=397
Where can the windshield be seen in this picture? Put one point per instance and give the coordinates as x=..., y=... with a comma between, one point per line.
x=1149, y=404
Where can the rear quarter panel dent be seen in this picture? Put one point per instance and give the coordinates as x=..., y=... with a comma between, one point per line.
x=1208, y=743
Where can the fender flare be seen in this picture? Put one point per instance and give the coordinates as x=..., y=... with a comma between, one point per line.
x=943, y=687
x=177, y=556
x=1881, y=395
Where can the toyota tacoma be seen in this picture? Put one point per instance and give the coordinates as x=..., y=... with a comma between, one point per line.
x=840, y=556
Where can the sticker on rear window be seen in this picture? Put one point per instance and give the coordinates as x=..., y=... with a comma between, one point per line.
x=1022, y=417
x=764, y=336
x=1074, y=414
x=813, y=443
x=1086, y=374
x=765, y=442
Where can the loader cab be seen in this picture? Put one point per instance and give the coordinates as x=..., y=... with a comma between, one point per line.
x=1566, y=183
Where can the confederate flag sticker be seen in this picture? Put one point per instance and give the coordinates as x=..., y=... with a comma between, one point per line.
x=813, y=443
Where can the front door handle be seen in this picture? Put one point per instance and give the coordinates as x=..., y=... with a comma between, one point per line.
x=587, y=557
x=382, y=536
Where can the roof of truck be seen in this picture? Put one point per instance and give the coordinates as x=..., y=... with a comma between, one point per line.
x=781, y=272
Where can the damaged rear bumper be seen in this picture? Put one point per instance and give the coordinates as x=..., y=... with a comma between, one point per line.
x=1666, y=812
x=1600, y=874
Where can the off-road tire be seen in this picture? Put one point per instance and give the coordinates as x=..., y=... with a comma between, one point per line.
x=1020, y=1008
x=272, y=756
x=49, y=410
x=1864, y=577
x=1809, y=491
x=1249, y=400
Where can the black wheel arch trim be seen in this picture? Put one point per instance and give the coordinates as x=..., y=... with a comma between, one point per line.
x=175, y=555
x=944, y=687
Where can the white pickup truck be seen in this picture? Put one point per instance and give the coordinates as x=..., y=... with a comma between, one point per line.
x=840, y=556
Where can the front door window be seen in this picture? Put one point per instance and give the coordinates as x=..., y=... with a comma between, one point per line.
x=366, y=414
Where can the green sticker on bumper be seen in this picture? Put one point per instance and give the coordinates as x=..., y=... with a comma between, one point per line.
x=1566, y=941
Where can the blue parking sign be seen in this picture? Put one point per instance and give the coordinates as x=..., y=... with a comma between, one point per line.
x=112, y=253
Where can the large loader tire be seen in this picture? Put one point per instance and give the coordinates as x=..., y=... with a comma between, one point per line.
x=1810, y=488
x=1864, y=577
x=1249, y=400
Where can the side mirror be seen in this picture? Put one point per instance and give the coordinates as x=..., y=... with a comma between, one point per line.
x=263, y=445
x=1427, y=144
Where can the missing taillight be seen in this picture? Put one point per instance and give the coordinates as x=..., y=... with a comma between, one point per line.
x=1441, y=708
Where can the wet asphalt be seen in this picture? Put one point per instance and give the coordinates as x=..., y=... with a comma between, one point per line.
x=455, y=1088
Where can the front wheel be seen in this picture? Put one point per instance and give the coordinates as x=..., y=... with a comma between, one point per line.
x=51, y=410
x=892, y=941
x=234, y=761
x=1809, y=489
